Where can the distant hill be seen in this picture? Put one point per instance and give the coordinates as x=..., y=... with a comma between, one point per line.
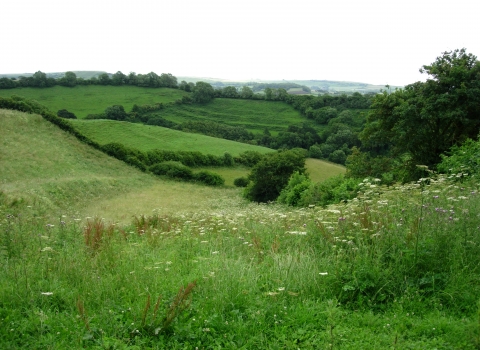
x=316, y=86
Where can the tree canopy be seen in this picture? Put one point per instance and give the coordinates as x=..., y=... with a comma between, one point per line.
x=271, y=174
x=425, y=119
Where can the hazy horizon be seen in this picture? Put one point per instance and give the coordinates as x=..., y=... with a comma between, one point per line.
x=374, y=41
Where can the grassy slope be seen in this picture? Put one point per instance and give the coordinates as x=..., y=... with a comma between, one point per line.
x=147, y=137
x=84, y=100
x=254, y=115
x=55, y=173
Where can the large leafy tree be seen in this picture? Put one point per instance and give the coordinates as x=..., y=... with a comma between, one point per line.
x=271, y=174
x=425, y=119
x=203, y=92
x=70, y=79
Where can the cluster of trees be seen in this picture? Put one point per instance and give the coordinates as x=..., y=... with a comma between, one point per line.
x=272, y=173
x=416, y=125
x=40, y=80
x=426, y=125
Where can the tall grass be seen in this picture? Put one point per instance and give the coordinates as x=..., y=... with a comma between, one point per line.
x=397, y=268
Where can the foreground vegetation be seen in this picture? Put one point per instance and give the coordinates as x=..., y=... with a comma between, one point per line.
x=395, y=271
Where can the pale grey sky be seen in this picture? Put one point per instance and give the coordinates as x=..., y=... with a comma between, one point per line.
x=372, y=41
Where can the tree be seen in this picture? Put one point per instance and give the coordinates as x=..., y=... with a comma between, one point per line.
x=271, y=174
x=115, y=112
x=203, y=92
x=39, y=79
x=268, y=93
x=6, y=83
x=230, y=92
x=168, y=80
x=425, y=119
x=119, y=79
x=104, y=79
x=246, y=92
x=70, y=79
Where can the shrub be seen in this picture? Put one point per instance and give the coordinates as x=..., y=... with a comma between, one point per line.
x=333, y=190
x=228, y=159
x=462, y=160
x=293, y=194
x=270, y=175
x=63, y=113
x=174, y=170
x=241, y=182
x=248, y=158
x=209, y=178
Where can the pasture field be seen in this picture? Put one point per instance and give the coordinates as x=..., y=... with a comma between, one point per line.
x=93, y=99
x=196, y=267
x=254, y=115
x=148, y=137
x=318, y=170
x=49, y=170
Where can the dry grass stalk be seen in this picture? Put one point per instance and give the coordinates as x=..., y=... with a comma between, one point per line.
x=145, y=310
x=180, y=303
x=95, y=233
x=83, y=313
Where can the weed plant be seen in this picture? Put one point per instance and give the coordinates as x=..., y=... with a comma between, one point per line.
x=395, y=268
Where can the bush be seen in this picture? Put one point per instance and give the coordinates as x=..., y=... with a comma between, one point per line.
x=174, y=170
x=63, y=113
x=333, y=190
x=228, y=159
x=272, y=173
x=462, y=160
x=209, y=178
x=296, y=190
x=241, y=182
x=248, y=158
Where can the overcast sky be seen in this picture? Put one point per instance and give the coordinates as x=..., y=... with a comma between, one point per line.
x=371, y=41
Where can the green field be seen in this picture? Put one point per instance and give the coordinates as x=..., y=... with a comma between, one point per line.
x=254, y=115
x=93, y=99
x=146, y=138
x=53, y=173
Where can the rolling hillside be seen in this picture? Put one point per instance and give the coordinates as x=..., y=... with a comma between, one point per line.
x=254, y=115
x=91, y=99
x=54, y=174
x=147, y=137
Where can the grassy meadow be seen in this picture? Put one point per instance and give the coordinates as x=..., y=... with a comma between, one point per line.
x=148, y=137
x=254, y=115
x=54, y=174
x=95, y=254
x=93, y=99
